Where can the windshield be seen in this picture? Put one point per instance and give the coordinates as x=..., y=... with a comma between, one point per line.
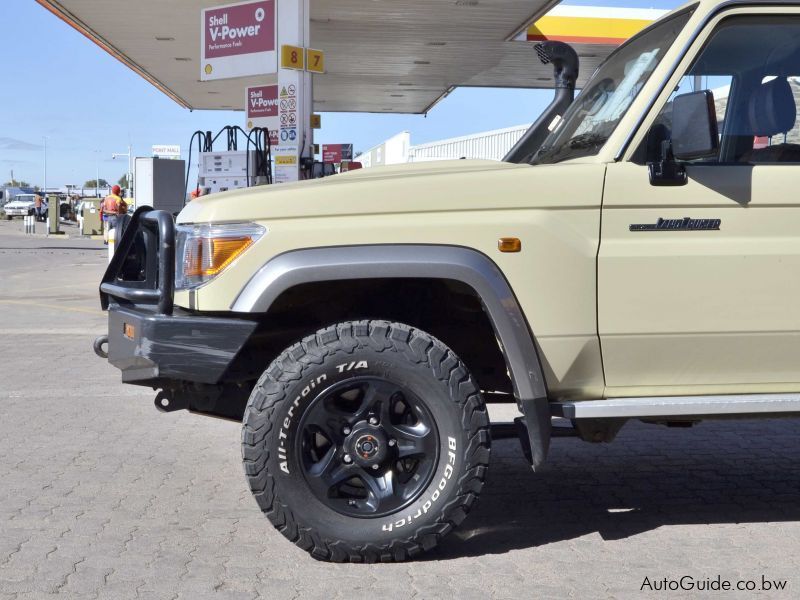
x=597, y=111
x=24, y=198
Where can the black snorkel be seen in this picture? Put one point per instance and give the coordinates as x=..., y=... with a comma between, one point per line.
x=565, y=72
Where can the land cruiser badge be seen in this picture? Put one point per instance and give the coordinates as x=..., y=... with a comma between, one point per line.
x=685, y=224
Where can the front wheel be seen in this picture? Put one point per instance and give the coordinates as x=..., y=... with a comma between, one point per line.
x=368, y=441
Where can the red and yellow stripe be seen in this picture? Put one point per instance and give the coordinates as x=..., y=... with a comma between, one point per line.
x=585, y=30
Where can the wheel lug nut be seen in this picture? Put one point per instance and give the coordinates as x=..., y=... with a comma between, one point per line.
x=374, y=467
x=392, y=442
x=373, y=421
x=346, y=431
x=347, y=459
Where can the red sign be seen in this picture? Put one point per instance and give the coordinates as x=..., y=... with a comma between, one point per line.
x=261, y=109
x=239, y=29
x=262, y=101
x=336, y=153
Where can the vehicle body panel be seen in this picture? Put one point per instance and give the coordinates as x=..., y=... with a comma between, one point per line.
x=554, y=210
x=701, y=311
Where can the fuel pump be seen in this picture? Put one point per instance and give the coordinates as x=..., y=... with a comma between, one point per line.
x=232, y=168
x=53, y=211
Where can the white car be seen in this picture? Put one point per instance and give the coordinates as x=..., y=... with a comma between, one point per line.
x=21, y=206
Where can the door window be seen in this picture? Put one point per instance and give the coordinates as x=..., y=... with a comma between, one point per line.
x=752, y=67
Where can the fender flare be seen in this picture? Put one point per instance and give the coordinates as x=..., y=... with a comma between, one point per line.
x=425, y=262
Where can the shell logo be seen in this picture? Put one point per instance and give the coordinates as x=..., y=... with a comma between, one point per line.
x=208, y=69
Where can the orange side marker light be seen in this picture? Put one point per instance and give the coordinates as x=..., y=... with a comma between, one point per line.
x=509, y=244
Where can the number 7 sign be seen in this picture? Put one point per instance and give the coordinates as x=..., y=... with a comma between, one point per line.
x=315, y=61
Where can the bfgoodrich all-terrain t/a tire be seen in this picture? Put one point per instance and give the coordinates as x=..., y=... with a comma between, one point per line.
x=368, y=441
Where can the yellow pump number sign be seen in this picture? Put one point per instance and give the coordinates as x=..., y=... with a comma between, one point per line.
x=292, y=57
x=315, y=61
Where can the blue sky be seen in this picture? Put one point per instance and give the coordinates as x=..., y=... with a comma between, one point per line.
x=58, y=84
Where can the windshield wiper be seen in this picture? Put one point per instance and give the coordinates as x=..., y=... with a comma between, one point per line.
x=587, y=140
x=584, y=141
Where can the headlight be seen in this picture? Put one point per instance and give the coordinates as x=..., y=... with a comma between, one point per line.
x=203, y=251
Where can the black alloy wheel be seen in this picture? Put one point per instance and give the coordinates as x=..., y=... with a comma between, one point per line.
x=369, y=448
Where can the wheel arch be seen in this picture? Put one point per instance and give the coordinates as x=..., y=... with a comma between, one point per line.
x=465, y=265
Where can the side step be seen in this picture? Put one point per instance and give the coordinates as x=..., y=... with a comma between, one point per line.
x=679, y=406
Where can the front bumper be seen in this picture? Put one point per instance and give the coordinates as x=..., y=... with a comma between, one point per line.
x=17, y=212
x=146, y=346
x=148, y=339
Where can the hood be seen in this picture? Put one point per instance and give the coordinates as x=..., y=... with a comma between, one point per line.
x=413, y=187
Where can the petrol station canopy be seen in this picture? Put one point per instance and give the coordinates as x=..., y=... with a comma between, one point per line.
x=386, y=56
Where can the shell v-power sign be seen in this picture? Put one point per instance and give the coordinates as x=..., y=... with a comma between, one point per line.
x=238, y=40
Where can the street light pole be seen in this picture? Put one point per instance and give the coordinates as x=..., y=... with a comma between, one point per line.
x=130, y=170
x=44, y=185
x=97, y=174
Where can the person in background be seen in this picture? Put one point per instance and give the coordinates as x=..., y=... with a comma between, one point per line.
x=37, y=206
x=108, y=211
x=122, y=214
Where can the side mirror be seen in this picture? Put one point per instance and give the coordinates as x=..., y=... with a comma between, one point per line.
x=663, y=169
x=694, y=135
x=694, y=126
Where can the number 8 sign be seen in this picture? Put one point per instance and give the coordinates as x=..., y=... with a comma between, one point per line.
x=292, y=57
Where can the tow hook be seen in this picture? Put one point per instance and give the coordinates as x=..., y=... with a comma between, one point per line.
x=98, y=346
x=168, y=401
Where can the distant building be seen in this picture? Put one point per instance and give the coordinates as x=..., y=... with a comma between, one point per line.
x=391, y=152
x=490, y=145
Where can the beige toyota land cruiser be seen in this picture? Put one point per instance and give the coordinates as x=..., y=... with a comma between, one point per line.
x=636, y=256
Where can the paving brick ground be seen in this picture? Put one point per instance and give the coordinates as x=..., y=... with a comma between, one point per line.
x=103, y=497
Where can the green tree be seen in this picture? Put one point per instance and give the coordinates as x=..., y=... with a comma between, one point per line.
x=16, y=183
x=123, y=181
x=91, y=183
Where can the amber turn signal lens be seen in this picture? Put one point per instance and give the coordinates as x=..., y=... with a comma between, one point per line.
x=129, y=331
x=509, y=244
x=208, y=256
